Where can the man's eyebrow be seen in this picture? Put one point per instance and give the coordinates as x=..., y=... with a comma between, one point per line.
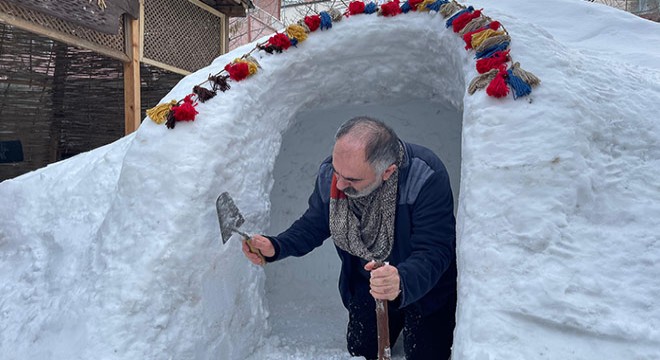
x=344, y=177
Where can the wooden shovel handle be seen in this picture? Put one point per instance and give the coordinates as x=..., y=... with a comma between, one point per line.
x=255, y=251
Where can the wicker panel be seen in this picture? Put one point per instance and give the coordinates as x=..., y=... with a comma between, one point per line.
x=114, y=42
x=181, y=34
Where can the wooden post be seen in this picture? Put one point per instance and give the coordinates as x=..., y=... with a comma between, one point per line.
x=132, y=106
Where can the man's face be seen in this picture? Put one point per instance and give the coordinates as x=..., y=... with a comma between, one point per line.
x=355, y=176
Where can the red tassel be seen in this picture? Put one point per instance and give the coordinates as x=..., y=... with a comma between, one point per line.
x=280, y=41
x=185, y=111
x=498, y=87
x=238, y=71
x=313, y=22
x=413, y=4
x=356, y=7
x=494, y=62
x=460, y=22
x=468, y=36
x=391, y=8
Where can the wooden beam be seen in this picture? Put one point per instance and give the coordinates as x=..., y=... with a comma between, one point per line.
x=59, y=36
x=132, y=106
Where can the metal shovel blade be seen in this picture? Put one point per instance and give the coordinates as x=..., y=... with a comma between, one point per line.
x=228, y=215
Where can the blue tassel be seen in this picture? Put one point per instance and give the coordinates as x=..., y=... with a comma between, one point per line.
x=450, y=21
x=405, y=7
x=326, y=20
x=294, y=41
x=491, y=50
x=370, y=8
x=436, y=5
x=519, y=86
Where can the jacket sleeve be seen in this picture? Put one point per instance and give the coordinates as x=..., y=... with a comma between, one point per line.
x=309, y=231
x=432, y=240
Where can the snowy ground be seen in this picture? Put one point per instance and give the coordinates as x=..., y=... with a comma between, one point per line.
x=115, y=254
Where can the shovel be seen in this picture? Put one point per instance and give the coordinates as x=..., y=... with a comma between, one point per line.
x=230, y=219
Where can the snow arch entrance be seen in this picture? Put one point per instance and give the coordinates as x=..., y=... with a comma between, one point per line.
x=300, y=289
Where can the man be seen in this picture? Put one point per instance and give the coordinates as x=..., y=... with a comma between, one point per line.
x=385, y=200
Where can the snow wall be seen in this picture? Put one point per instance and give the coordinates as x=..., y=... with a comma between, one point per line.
x=115, y=254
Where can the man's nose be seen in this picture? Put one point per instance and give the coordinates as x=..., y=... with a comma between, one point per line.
x=342, y=184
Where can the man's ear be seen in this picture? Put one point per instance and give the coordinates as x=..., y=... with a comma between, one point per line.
x=388, y=172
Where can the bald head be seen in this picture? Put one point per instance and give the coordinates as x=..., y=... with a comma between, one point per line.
x=379, y=141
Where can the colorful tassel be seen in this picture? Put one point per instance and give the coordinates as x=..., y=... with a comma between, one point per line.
x=481, y=81
x=335, y=15
x=158, y=113
x=459, y=23
x=449, y=8
x=390, y=8
x=356, y=7
x=468, y=37
x=219, y=82
x=431, y=5
x=302, y=24
x=520, y=87
x=371, y=8
x=171, y=121
x=491, y=50
x=313, y=22
x=204, y=94
x=494, y=62
x=473, y=25
x=526, y=76
x=296, y=32
x=450, y=21
x=480, y=37
x=498, y=87
x=326, y=20
x=492, y=41
x=405, y=8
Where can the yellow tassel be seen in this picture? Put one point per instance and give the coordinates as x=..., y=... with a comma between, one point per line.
x=296, y=31
x=302, y=24
x=159, y=112
x=422, y=6
x=478, y=38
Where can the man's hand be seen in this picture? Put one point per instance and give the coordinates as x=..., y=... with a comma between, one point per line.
x=384, y=281
x=258, y=243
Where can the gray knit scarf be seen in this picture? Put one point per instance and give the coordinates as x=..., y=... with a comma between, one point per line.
x=364, y=226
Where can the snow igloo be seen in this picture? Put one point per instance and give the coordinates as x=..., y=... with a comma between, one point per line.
x=116, y=253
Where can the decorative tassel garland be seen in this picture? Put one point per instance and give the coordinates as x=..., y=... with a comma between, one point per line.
x=526, y=76
x=204, y=94
x=498, y=87
x=390, y=8
x=326, y=20
x=158, y=113
x=356, y=7
x=478, y=32
x=481, y=81
x=313, y=22
x=459, y=23
x=450, y=21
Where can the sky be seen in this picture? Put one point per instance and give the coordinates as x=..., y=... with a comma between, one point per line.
x=116, y=253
